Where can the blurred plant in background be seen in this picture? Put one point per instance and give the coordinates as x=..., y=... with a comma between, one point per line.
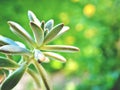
x=95, y=28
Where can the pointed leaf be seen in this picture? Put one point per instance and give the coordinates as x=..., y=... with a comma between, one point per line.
x=60, y=48
x=39, y=56
x=64, y=29
x=6, y=63
x=49, y=24
x=11, y=49
x=46, y=60
x=51, y=35
x=33, y=18
x=6, y=41
x=20, y=44
x=44, y=76
x=18, y=30
x=12, y=80
x=38, y=33
x=55, y=56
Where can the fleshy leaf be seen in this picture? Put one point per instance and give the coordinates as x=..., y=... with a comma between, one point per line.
x=12, y=49
x=20, y=44
x=38, y=33
x=6, y=63
x=49, y=24
x=6, y=41
x=55, y=56
x=19, y=30
x=39, y=56
x=12, y=80
x=64, y=29
x=46, y=60
x=51, y=35
x=60, y=48
x=44, y=76
x=33, y=18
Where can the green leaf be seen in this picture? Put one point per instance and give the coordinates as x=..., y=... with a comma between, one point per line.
x=7, y=63
x=6, y=41
x=49, y=24
x=38, y=33
x=18, y=30
x=20, y=44
x=60, y=48
x=55, y=56
x=43, y=76
x=51, y=35
x=64, y=29
x=12, y=80
x=33, y=18
x=12, y=49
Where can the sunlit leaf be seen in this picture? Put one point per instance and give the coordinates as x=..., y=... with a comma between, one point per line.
x=34, y=75
x=51, y=35
x=64, y=29
x=33, y=18
x=12, y=80
x=55, y=56
x=44, y=76
x=46, y=60
x=20, y=44
x=60, y=48
x=38, y=33
x=6, y=41
x=12, y=49
x=6, y=63
x=49, y=24
x=19, y=30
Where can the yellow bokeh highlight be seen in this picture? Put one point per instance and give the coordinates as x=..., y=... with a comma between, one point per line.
x=71, y=66
x=90, y=33
x=89, y=10
x=70, y=40
x=56, y=65
x=79, y=27
x=75, y=1
x=90, y=51
x=64, y=17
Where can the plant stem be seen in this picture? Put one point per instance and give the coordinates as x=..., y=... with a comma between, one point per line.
x=32, y=73
x=42, y=74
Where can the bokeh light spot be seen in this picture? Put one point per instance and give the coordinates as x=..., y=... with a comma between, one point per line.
x=79, y=27
x=70, y=86
x=64, y=17
x=70, y=40
x=56, y=65
x=71, y=66
x=89, y=10
x=75, y=1
x=90, y=33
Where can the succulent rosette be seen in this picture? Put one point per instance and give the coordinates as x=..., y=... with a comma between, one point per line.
x=38, y=51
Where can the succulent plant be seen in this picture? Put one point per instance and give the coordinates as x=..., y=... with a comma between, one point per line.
x=38, y=52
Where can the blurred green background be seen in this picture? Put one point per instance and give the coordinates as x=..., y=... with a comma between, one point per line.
x=94, y=28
